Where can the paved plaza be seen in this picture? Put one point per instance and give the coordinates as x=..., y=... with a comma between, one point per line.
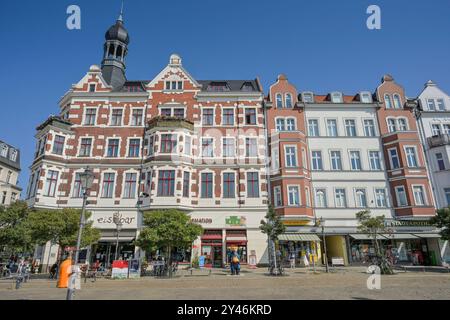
x=252, y=284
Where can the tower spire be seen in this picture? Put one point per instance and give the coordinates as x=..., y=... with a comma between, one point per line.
x=121, y=13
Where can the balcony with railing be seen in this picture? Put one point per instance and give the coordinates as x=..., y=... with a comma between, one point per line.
x=170, y=122
x=440, y=140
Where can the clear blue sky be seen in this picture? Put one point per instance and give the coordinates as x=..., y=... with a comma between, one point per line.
x=320, y=45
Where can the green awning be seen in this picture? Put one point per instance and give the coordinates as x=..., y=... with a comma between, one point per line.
x=298, y=237
x=362, y=236
x=400, y=236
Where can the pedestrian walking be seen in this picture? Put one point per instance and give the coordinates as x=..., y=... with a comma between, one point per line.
x=235, y=264
x=292, y=260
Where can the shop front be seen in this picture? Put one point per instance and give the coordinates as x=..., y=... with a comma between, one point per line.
x=105, y=250
x=305, y=248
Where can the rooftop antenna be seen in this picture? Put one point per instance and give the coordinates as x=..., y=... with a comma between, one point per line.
x=121, y=13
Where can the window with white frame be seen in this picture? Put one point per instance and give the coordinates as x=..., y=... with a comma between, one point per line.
x=308, y=97
x=387, y=101
x=291, y=156
x=290, y=124
x=277, y=199
x=252, y=184
x=229, y=185
x=366, y=97
x=187, y=145
x=391, y=125
x=174, y=85
x=116, y=117
x=447, y=195
x=89, y=116
x=228, y=117
x=186, y=183
x=374, y=160
x=168, y=143
x=411, y=157
x=166, y=112
x=350, y=128
x=134, y=148
x=166, y=183
x=130, y=185
x=206, y=185
x=207, y=147
x=313, y=127
x=440, y=161
x=369, y=128
x=336, y=97
x=51, y=183
x=108, y=185
x=288, y=100
x=402, y=124
x=280, y=124
x=77, y=186
x=355, y=160
x=113, y=148
x=316, y=159
x=251, y=147
x=4, y=150
x=394, y=160
x=332, y=127
x=397, y=102
x=361, y=198
x=275, y=159
x=336, y=162
x=293, y=196
x=400, y=193
x=320, y=198
x=436, y=129
x=151, y=145
x=136, y=117
x=441, y=104
x=340, y=198
x=431, y=105
x=380, y=198
x=419, y=195
x=58, y=145
x=228, y=148
x=250, y=116
x=208, y=116
x=279, y=99
x=446, y=129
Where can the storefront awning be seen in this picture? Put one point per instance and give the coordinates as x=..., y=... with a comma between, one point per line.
x=114, y=239
x=363, y=236
x=298, y=237
x=400, y=236
x=428, y=235
x=240, y=239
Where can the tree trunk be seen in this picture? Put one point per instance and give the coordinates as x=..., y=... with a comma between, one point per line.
x=169, y=261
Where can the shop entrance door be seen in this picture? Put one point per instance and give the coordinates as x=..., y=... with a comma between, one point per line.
x=217, y=257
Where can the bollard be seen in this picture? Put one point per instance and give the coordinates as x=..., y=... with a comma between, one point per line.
x=70, y=294
x=18, y=282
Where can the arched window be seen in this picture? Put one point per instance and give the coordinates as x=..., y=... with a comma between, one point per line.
x=387, y=101
x=391, y=125
x=402, y=124
x=288, y=100
x=280, y=124
x=397, y=102
x=290, y=124
x=279, y=101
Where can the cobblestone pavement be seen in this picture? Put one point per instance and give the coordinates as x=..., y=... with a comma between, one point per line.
x=341, y=284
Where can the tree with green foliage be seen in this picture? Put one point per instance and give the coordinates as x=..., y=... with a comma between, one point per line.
x=374, y=226
x=272, y=226
x=14, y=232
x=61, y=227
x=167, y=229
x=442, y=221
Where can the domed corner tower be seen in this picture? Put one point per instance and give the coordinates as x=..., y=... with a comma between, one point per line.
x=115, y=51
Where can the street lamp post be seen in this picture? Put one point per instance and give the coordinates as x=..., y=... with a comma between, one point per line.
x=116, y=220
x=86, y=179
x=325, y=257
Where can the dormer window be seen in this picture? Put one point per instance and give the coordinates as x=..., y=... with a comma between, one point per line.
x=4, y=150
x=174, y=85
x=279, y=100
x=365, y=97
x=288, y=100
x=92, y=87
x=308, y=97
x=218, y=87
x=247, y=86
x=336, y=97
x=387, y=101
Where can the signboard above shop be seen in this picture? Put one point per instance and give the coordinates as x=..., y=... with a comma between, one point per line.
x=296, y=222
x=236, y=221
x=105, y=220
